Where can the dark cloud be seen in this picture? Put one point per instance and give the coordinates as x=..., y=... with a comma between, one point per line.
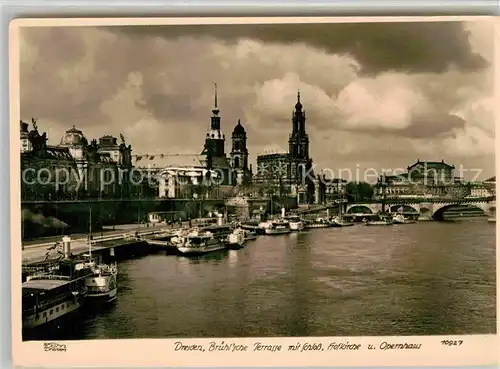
x=409, y=47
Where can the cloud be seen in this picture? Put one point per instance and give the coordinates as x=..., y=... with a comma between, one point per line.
x=408, y=47
x=373, y=93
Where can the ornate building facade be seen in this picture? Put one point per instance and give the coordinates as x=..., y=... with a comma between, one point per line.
x=75, y=168
x=423, y=179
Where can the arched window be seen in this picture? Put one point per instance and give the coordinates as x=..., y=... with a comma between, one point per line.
x=236, y=162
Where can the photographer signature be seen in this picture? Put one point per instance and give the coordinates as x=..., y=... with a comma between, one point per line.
x=53, y=346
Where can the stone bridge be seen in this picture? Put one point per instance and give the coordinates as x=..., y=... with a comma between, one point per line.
x=433, y=208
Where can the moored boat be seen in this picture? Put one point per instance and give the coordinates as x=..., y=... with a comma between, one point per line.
x=401, y=219
x=236, y=239
x=318, y=223
x=253, y=226
x=296, y=224
x=250, y=235
x=278, y=226
x=101, y=285
x=340, y=222
x=492, y=220
x=198, y=242
x=380, y=222
x=50, y=296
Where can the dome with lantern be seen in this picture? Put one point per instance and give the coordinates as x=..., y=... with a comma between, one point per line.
x=239, y=129
x=73, y=138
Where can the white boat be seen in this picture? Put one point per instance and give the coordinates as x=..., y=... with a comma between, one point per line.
x=236, y=239
x=50, y=296
x=492, y=220
x=279, y=226
x=380, y=222
x=102, y=286
x=319, y=223
x=296, y=224
x=400, y=219
x=264, y=225
x=196, y=242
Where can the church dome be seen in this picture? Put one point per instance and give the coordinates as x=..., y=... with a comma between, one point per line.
x=239, y=128
x=73, y=137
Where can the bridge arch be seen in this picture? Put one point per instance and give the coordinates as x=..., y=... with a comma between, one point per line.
x=405, y=208
x=363, y=209
x=438, y=213
x=425, y=211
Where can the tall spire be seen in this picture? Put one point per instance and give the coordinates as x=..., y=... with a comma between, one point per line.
x=298, y=106
x=216, y=108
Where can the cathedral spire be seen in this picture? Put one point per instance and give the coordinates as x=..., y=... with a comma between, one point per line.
x=216, y=108
x=298, y=106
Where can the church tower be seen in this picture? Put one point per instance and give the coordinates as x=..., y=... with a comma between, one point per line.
x=239, y=155
x=299, y=140
x=215, y=139
x=239, y=152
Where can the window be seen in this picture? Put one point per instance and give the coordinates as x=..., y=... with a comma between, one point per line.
x=57, y=309
x=44, y=314
x=51, y=311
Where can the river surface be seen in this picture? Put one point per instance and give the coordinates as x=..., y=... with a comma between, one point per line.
x=429, y=278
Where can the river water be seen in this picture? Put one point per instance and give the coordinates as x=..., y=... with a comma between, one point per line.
x=429, y=278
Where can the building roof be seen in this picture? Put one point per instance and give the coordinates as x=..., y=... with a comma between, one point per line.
x=170, y=160
x=73, y=137
x=57, y=152
x=273, y=156
x=51, y=152
x=432, y=164
x=43, y=284
x=239, y=129
x=492, y=179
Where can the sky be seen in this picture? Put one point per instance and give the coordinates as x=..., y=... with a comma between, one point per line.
x=376, y=95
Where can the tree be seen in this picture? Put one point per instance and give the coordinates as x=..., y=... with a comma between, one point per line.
x=359, y=191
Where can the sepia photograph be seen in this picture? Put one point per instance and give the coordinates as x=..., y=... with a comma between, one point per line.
x=249, y=180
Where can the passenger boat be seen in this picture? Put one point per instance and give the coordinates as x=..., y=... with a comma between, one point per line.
x=253, y=226
x=319, y=223
x=198, y=242
x=50, y=296
x=236, y=239
x=380, y=222
x=278, y=226
x=296, y=224
x=339, y=220
x=400, y=219
x=101, y=285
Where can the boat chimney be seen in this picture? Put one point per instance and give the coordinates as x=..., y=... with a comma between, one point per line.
x=66, y=247
x=328, y=213
x=219, y=219
x=283, y=212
